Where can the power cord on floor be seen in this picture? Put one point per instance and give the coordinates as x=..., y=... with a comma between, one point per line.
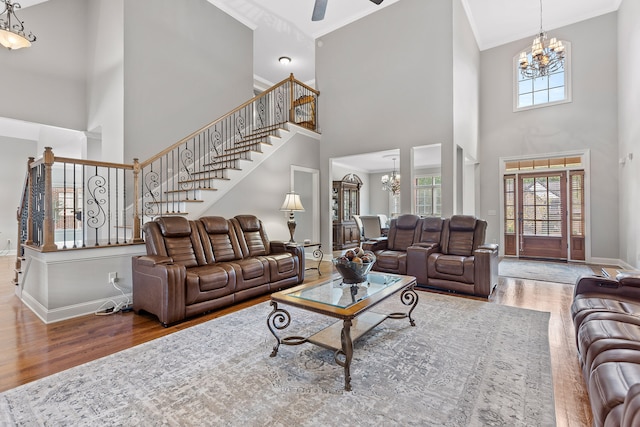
x=116, y=306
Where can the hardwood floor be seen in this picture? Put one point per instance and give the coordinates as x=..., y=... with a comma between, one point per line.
x=32, y=350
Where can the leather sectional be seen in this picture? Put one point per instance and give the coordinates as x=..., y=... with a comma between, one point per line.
x=192, y=267
x=448, y=254
x=606, y=317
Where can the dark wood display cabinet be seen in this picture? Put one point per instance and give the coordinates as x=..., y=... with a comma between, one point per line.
x=345, y=202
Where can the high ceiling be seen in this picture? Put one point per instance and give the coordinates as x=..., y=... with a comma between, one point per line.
x=284, y=27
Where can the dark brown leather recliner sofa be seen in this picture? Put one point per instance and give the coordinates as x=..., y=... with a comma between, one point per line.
x=192, y=267
x=448, y=254
x=606, y=316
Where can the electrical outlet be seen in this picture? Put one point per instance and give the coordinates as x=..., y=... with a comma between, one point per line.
x=113, y=277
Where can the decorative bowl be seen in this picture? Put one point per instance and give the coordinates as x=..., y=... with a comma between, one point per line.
x=354, y=272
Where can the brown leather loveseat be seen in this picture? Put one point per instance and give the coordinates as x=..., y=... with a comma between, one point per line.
x=447, y=254
x=606, y=317
x=192, y=267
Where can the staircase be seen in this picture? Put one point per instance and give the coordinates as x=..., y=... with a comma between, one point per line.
x=74, y=204
x=219, y=177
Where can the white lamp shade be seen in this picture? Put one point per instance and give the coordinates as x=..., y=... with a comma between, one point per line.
x=292, y=203
x=13, y=41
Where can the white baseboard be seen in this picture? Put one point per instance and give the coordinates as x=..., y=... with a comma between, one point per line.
x=71, y=311
x=612, y=262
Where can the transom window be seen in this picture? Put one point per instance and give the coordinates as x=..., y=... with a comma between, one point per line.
x=428, y=195
x=552, y=89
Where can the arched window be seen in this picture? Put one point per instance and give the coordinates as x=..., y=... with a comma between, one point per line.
x=552, y=89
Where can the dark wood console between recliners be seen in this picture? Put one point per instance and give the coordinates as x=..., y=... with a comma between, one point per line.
x=448, y=254
x=192, y=267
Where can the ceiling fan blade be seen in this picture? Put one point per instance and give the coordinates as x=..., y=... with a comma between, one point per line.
x=318, y=10
x=377, y=1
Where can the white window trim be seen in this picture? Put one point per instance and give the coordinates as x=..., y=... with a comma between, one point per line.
x=586, y=166
x=415, y=188
x=567, y=82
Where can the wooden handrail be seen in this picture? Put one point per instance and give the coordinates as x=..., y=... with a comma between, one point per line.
x=309, y=88
x=93, y=163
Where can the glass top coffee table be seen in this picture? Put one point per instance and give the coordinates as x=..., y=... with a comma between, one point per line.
x=348, y=303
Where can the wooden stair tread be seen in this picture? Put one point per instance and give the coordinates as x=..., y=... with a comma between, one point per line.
x=202, y=180
x=213, y=164
x=193, y=189
x=159, y=202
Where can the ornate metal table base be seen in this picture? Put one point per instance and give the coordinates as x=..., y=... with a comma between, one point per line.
x=348, y=331
x=317, y=255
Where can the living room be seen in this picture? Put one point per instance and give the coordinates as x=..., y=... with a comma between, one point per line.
x=400, y=99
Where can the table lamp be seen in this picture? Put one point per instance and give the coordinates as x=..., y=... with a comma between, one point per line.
x=292, y=204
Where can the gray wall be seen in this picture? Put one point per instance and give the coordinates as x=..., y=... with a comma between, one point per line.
x=13, y=167
x=184, y=66
x=589, y=122
x=466, y=99
x=262, y=192
x=47, y=81
x=381, y=88
x=105, y=80
x=629, y=129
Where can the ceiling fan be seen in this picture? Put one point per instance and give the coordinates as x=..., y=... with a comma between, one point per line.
x=321, y=6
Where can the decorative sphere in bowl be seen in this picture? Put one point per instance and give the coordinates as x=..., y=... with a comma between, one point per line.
x=354, y=265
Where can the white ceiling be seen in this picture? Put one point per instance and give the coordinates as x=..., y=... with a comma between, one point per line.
x=427, y=156
x=284, y=27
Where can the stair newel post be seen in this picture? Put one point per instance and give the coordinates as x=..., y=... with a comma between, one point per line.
x=48, y=226
x=291, y=98
x=136, y=200
x=29, y=240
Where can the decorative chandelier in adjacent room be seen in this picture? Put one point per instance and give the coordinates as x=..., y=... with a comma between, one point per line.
x=12, y=35
x=391, y=183
x=545, y=56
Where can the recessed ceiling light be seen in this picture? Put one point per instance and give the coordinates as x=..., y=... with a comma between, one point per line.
x=284, y=60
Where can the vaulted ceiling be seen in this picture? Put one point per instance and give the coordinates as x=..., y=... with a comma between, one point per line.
x=284, y=27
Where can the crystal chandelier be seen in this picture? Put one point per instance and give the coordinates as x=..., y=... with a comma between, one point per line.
x=545, y=56
x=391, y=183
x=12, y=33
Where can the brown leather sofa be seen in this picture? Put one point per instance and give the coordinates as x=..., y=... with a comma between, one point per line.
x=447, y=254
x=391, y=252
x=192, y=267
x=606, y=316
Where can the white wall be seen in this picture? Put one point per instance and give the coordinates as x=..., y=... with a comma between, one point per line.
x=262, y=192
x=629, y=129
x=386, y=82
x=47, y=81
x=184, y=66
x=589, y=122
x=13, y=168
x=466, y=94
x=105, y=75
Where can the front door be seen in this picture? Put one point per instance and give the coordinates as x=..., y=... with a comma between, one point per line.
x=542, y=215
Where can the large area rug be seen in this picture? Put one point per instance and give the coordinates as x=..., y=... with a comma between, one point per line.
x=465, y=363
x=544, y=271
